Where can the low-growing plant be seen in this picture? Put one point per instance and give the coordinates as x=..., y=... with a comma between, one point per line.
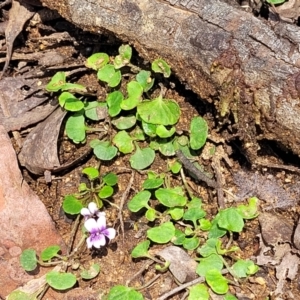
x=197, y=233
x=98, y=189
x=68, y=268
x=140, y=126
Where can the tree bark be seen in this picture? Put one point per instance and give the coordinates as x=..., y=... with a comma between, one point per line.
x=246, y=66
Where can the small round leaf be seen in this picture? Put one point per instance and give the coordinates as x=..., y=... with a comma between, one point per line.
x=50, y=252
x=60, y=281
x=162, y=234
x=28, y=260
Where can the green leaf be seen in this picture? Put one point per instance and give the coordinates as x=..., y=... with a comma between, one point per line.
x=104, y=150
x=160, y=66
x=120, y=292
x=74, y=87
x=244, y=268
x=141, y=249
x=114, y=101
x=70, y=102
x=231, y=297
x=97, y=61
x=139, y=201
x=161, y=234
x=135, y=91
x=106, y=192
x=191, y=243
x=193, y=214
x=145, y=80
x=50, y=252
x=110, y=179
x=249, y=211
x=91, y=273
x=178, y=238
x=159, y=111
x=175, y=166
x=60, y=281
x=153, y=183
x=216, y=281
x=95, y=110
x=205, y=225
x=137, y=134
x=209, y=247
x=198, y=292
x=91, y=172
x=175, y=212
x=110, y=75
x=124, y=58
x=72, y=205
x=150, y=214
x=199, y=131
x=75, y=127
x=215, y=230
x=124, y=122
x=149, y=129
x=165, y=147
x=56, y=82
x=275, y=2
x=124, y=142
x=170, y=197
x=231, y=220
x=212, y=261
x=194, y=203
x=163, y=132
x=19, y=295
x=28, y=260
x=142, y=158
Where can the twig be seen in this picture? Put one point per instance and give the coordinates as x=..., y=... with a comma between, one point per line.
x=196, y=172
x=149, y=283
x=277, y=166
x=216, y=166
x=73, y=233
x=145, y=267
x=186, y=184
x=184, y=286
x=124, y=197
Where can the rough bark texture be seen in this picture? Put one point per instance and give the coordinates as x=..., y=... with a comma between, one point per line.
x=248, y=68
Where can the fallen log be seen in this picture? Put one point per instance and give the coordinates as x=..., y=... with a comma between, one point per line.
x=247, y=67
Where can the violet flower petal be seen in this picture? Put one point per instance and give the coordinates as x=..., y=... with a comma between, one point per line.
x=91, y=225
x=101, y=223
x=109, y=233
x=93, y=208
x=85, y=212
x=98, y=240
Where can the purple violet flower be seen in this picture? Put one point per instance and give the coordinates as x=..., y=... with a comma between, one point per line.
x=91, y=211
x=98, y=232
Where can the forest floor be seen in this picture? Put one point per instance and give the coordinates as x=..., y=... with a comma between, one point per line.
x=270, y=240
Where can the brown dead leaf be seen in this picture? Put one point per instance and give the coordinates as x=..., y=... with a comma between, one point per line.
x=182, y=266
x=18, y=98
x=287, y=269
x=275, y=229
x=19, y=14
x=39, y=152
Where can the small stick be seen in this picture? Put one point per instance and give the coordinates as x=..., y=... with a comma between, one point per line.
x=124, y=197
x=149, y=283
x=184, y=286
x=198, y=174
x=216, y=166
x=145, y=267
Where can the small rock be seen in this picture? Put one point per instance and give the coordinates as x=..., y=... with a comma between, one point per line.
x=25, y=222
x=182, y=266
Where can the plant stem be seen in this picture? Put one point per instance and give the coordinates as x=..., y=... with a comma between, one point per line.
x=186, y=184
